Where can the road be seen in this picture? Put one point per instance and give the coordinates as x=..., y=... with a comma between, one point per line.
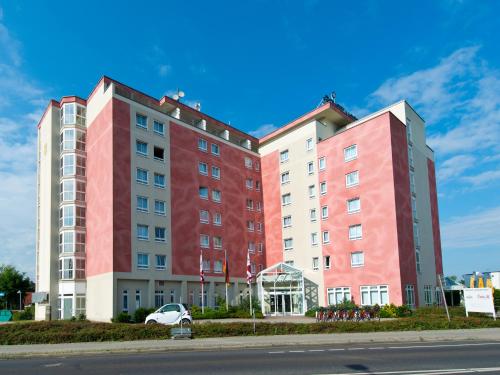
x=386, y=359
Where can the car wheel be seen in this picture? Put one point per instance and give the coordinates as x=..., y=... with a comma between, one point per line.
x=151, y=321
x=186, y=321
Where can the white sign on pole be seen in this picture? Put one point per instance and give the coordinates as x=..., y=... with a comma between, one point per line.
x=479, y=300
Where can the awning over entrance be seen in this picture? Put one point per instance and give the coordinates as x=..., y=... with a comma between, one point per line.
x=281, y=290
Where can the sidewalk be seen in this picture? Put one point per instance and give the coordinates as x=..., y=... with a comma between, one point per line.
x=12, y=351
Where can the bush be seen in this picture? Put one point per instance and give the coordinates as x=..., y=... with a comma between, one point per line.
x=403, y=311
x=496, y=298
x=27, y=314
x=388, y=311
x=141, y=313
x=122, y=317
x=311, y=313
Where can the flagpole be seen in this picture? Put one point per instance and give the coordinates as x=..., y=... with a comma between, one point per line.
x=225, y=280
x=202, y=298
x=202, y=281
x=250, y=284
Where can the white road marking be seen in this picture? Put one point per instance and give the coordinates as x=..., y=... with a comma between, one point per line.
x=296, y=351
x=426, y=372
x=335, y=350
x=316, y=350
x=377, y=348
x=278, y=352
x=443, y=345
x=356, y=348
x=53, y=364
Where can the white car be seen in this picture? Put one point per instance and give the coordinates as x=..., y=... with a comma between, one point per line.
x=171, y=313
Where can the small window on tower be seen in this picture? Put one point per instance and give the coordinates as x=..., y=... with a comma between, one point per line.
x=159, y=153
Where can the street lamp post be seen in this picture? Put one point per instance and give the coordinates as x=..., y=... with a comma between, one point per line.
x=20, y=301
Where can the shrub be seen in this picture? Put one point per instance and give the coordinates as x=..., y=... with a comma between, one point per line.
x=388, y=311
x=27, y=314
x=311, y=313
x=141, y=313
x=496, y=298
x=403, y=311
x=122, y=317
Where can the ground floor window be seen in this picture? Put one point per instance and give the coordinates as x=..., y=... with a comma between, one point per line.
x=172, y=296
x=410, y=295
x=428, y=295
x=374, y=295
x=125, y=301
x=338, y=295
x=159, y=298
x=80, y=305
x=138, y=301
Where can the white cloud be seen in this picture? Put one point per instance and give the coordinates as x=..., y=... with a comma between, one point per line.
x=473, y=231
x=455, y=166
x=483, y=179
x=164, y=70
x=263, y=130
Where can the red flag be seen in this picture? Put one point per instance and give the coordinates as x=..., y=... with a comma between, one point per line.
x=249, y=269
x=202, y=273
x=226, y=269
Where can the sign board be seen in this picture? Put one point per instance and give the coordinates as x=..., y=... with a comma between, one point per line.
x=2, y=294
x=5, y=315
x=479, y=300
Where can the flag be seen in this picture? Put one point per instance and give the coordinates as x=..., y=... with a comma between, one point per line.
x=249, y=269
x=202, y=273
x=226, y=268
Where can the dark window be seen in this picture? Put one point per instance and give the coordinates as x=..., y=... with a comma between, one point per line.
x=159, y=153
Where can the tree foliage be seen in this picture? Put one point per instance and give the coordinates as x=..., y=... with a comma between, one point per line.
x=12, y=280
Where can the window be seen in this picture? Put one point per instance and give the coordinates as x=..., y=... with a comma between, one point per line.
x=161, y=262
x=257, y=185
x=350, y=153
x=216, y=195
x=141, y=121
x=138, y=300
x=412, y=182
x=310, y=167
x=68, y=140
x=249, y=183
x=203, y=191
x=428, y=295
x=258, y=206
x=410, y=155
x=324, y=212
x=249, y=204
x=141, y=148
x=142, y=261
x=353, y=205
x=202, y=144
x=217, y=219
x=158, y=127
x=355, y=232
x=309, y=144
x=68, y=113
x=215, y=149
x=159, y=298
x=287, y=221
x=260, y=247
x=160, y=235
x=286, y=199
x=251, y=247
x=325, y=236
x=70, y=242
x=314, y=239
x=217, y=242
x=352, y=179
x=312, y=214
x=142, y=232
x=250, y=225
x=409, y=133
x=257, y=166
x=283, y=156
x=204, y=218
x=68, y=166
x=142, y=204
x=67, y=190
x=327, y=262
x=160, y=207
x=288, y=243
x=203, y=168
x=357, y=259
x=248, y=162
x=322, y=163
x=218, y=266
x=206, y=265
x=290, y=262
x=216, y=172
x=374, y=295
x=417, y=259
x=66, y=268
x=416, y=235
x=414, y=207
x=285, y=178
x=322, y=187
x=315, y=263
x=125, y=301
x=336, y=296
x=159, y=153
x=159, y=180
x=312, y=191
x=141, y=176
x=204, y=241
x=259, y=226
x=410, y=295
x=67, y=216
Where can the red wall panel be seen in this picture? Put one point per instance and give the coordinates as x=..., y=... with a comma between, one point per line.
x=436, y=233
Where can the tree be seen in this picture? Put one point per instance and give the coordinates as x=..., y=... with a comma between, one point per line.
x=11, y=280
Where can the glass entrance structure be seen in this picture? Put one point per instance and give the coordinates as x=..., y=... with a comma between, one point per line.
x=281, y=290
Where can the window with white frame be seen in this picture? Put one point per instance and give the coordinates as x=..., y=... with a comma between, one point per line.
x=69, y=113
x=141, y=148
x=374, y=295
x=138, y=299
x=322, y=187
x=141, y=121
x=314, y=239
x=285, y=177
x=410, y=155
x=142, y=260
x=257, y=185
x=260, y=247
x=252, y=268
x=249, y=204
x=159, y=298
x=327, y=262
x=355, y=232
x=215, y=172
x=336, y=296
x=159, y=127
x=202, y=144
x=215, y=149
x=217, y=240
x=352, y=179
x=287, y=221
x=310, y=167
x=203, y=192
x=258, y=206
x=312, y=214
x=217, y=218
x=324, y=212
x=249, y=183
x=416, y=235
x=259, y=226
x=248, y=162
x=160, y=234
x=257, y=166
x=309, y=144
x=288, y=243
x=350, y=153
x=142, y=203
x=125, y=300
x=325, y=236
x=312, y=191
x=68, y=165
x=410, y=295
x=203, y=168
x=67, y=192
x=218, y=266
x=315, y=263
x=68, y=140
x=216, y=195
x=286, y=199
x=206, y=265
x=160, y=207
x=142, y=232
x=66, y=268
x=204, y=217
x=141, y=176
x=322, y=163
x=412, y=182
x=204, y=241
x=353, y=205
x=251, y=246
x=414, y=207
x=357, y=259
x=67, y=216
x=250, y=225
x=159, y=180
x=283, y=156
x=417, y=259
x=161, y=262
x=428, y=295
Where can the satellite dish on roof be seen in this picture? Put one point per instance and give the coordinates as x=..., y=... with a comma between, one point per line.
x=175, y=97
x=180, y=94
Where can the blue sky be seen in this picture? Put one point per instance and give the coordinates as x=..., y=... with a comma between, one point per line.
x=257, y=65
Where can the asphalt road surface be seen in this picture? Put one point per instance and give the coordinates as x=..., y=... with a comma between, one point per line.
x=383, y=359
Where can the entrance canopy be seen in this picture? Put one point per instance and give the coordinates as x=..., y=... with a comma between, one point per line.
x=281, y=290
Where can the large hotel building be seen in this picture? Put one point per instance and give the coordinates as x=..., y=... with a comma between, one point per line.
x=132, y=189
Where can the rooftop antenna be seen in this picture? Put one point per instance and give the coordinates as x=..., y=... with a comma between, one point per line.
x=197, y=106
x=333, y=96
x=180, y=94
